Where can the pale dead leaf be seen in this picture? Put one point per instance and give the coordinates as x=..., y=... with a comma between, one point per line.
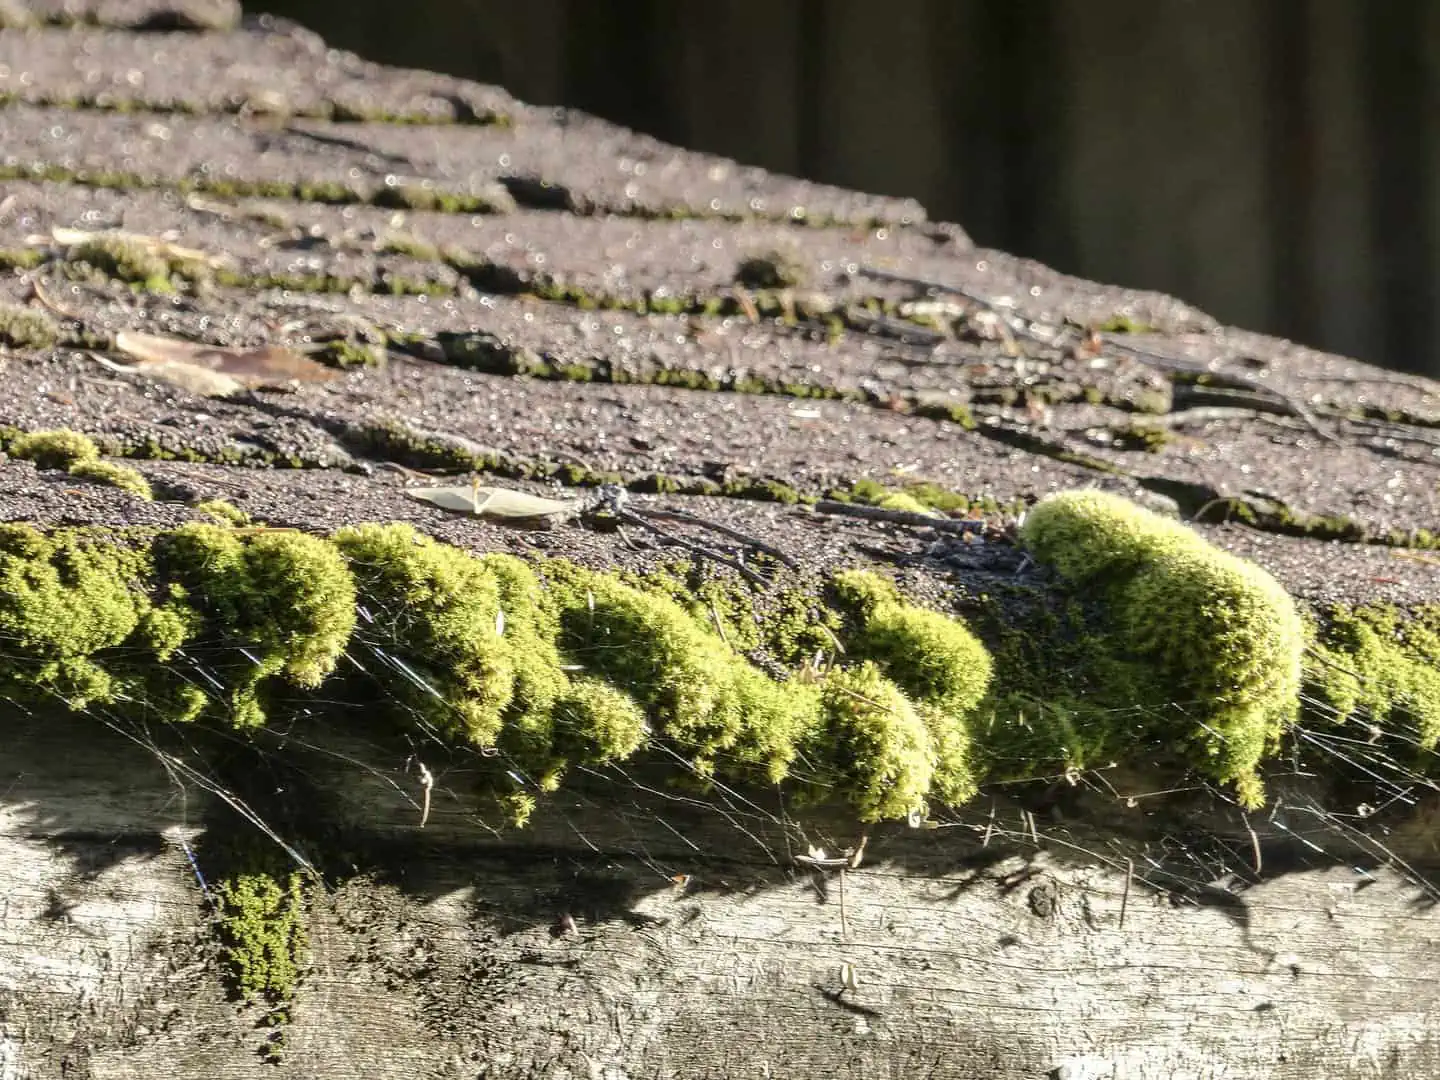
x=156, y=245
x=197, y=380
x=214, y=370
x=494, y=502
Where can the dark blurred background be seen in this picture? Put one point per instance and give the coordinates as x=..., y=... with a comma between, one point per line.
x=1272, y=161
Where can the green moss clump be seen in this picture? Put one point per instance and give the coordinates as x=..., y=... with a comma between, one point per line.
x=594, y=722
x=1150, y=438
x=262, y=934
x=707, y=700
x=126, y=259
x=1222, y=636
x=286, y=598
x=1124, y=324
x=902, y=501
x=60, y=449
x=404, y=243
x=222, y=512
x=451, y=635
x=109, y=472
x=1379, y=667
x=63, y=600
x=21, y=328
x=553, y=720
x=934, y=659
x=876, y=742
x=342, y=353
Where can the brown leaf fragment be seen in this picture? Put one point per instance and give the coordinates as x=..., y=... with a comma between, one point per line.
x=215, y=370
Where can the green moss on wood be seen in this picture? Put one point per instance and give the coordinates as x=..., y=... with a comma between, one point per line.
x=1377, y=668
x=1152, y=647
x=23, y=328
x=222, y=512
x=58, y=449
x=1221, y=636
x=933, y=658
x=115, y=475
x=283, y=602
x=263, y=935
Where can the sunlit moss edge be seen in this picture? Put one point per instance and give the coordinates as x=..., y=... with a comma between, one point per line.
x=866, y=698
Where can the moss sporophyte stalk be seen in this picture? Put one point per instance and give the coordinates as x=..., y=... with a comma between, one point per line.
x=546, y=665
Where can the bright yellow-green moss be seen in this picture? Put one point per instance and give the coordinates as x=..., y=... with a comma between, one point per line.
x=109, y=472
x=286, y=598
x=222, y=512
x=262, y=933
x=594, y=722
x=62, y=601
x=1221, y=637
x=22, y=328
x=449, y=629
x=60, y=449
x=128, y=259
x=547, y=663
x=934, y=659
x=705, y=698
x=875, y=742
x=1375, y=667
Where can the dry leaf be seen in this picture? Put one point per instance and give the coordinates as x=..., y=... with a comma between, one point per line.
x=155, y=245
x=213, y=370
x=494, y=502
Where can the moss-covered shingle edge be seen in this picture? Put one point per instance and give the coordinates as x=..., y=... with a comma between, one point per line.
x=888, y=706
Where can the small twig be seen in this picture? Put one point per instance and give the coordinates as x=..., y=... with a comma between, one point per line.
x=900, y=517
x=714, y=526
x=1193, y=367
x=427, y=781
x=742, y=297
x=1254, y=840
x=719, y=626
x=1125, y=896
x=690, y=545
x=51, y=304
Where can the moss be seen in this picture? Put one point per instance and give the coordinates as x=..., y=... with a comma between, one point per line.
x=1150, y=438
x=127, y=259
x=707, y=700
x=495, y=200
x=1378, y=667
x=58, y=449
x=595, y=723
x=22, y=328
x=285, y=599
x=452, y=637
x=954, y=412
x=933, y=658
x=222, y=512
x=1220, y=634
x=343, y=353
x=903, y=501
x=1162, y=641
x=1124, y=324
x=65, y=602
x=109, y=472
x=403, y=243
x=262, y=934
x=874, y=742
